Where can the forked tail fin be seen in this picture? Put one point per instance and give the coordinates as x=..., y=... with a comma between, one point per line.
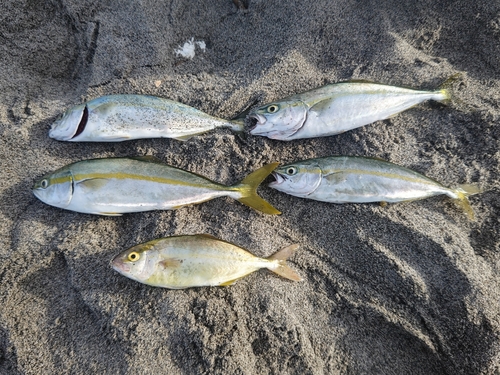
x=283, y=269
x=463, y=192
x=238, y=127
x=248, y=189
x=446, y=90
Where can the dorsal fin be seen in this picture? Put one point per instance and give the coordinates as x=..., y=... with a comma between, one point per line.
x=206, y=235
x=148, y=158
x=359, y=81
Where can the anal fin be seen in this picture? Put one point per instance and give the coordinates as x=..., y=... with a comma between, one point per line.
x=230, y=282
x=109, y=213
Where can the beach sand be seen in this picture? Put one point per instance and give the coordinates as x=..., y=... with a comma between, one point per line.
x=410, y=288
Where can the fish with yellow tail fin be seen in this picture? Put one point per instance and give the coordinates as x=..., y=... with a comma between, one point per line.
x=338, y=107
x=354, y=179
x=199, y=260
x=113, y=186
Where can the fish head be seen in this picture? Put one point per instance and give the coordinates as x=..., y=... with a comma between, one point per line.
x=136, y=263
x=55, y=188
x=70, y=124
x=299, y=179
x=279, y=120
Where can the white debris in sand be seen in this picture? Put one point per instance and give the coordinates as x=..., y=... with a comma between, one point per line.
x=187, y=50
x=201, y=44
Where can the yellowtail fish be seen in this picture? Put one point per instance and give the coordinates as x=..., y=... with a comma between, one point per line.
x=352, y=179
x=116, y=118
x=113, y=186
x=336, y=108
x=201, y=260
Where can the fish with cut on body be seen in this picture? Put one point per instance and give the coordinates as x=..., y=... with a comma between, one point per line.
x=336, y=108
x=116, y=118
x=113, y=186
x=199, y=260
x=354, y=179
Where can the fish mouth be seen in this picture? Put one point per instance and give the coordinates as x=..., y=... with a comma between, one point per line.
x=256, y=120
x=280, y=178
x=119, y=266
x=63, y=130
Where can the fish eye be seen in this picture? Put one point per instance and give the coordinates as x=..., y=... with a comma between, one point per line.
x=291, y=171
x=273, y=108
x=44, y=183
x=133, y=256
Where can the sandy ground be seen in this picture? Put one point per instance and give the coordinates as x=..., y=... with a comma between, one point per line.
x=411, y=288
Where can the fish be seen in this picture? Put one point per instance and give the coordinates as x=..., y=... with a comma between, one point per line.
x=338, y=107
x=116, y=118
x=180, y=262
x=113, y=186
x=355, y=179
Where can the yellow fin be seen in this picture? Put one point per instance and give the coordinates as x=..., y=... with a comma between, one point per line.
x=148, y=158
x=446, y=87
x=283, y=269
x=383, y=204
x=463, y=192
x=206, y=235
x=248, y=187
x=230, y=282
x=93, y=183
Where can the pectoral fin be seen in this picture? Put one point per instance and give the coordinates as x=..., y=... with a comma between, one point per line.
x=93, y=183
x=171, y=263
x=321, y=106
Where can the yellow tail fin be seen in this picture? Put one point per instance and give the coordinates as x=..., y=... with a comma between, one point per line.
x=446, y=89
x=248, y=188
x=283, y=269
x=463, y=191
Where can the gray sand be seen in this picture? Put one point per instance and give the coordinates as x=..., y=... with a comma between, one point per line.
x=411, y=288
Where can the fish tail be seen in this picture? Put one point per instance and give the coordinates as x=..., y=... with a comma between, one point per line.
x=248, y=189
x=283, y=269
x=463, y=192
x=445, y=90
x=237, y=126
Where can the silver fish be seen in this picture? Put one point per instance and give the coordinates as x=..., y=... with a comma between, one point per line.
x=201, y=260
x=352, y=179
x=113, y=186
x=336, y=108
x=116, y=118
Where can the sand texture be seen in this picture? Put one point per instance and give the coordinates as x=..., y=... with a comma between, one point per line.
x=411, y=288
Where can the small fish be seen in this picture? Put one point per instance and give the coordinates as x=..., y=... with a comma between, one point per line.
x=201, y=260
x=116, y=118
x=353, y=179
x=336, y=108
x=113, y=186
